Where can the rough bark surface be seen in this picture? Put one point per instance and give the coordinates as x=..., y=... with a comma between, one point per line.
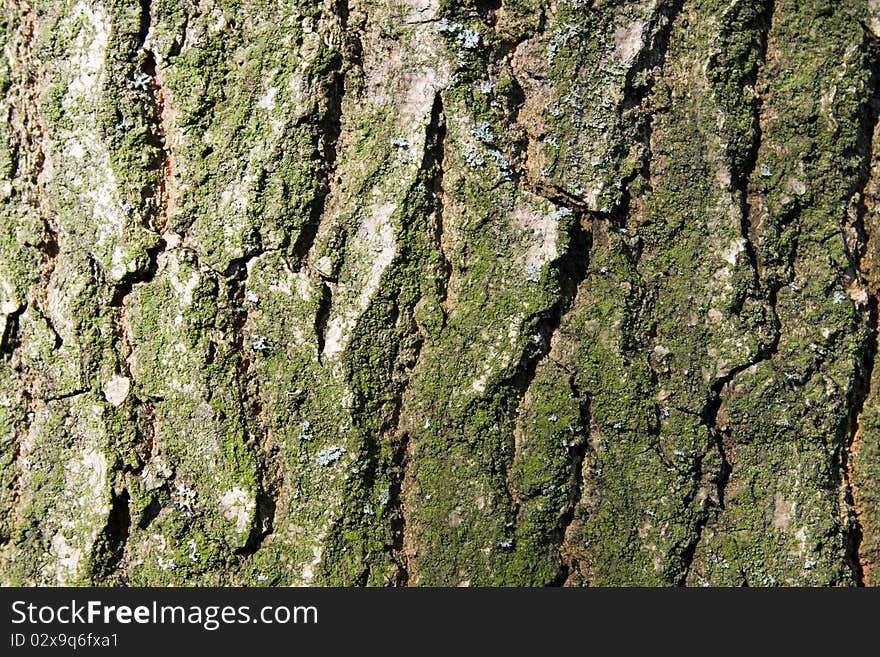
x=423, y=292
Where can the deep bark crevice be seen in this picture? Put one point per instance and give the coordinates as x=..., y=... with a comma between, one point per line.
x=256, y=436
x=160, y=141
x=109, y=550
x=29, y=156
x=578, y=450
x=571, y=267
x=865, y=270
x=436, y=145
x=432, y=167
x=330, y=130
x=742, y=175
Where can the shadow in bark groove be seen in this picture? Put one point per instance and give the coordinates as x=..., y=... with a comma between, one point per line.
x=866, y=271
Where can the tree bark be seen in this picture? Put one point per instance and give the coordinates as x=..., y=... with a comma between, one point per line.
x=423, y=292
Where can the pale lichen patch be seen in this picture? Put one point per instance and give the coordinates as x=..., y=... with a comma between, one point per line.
x=731, y=253
x=629, y=41
x=308, y=571
x=238, y=506
x=9, y=302
x=377, y=240
x=88, y=51
x=783, y=511
x=539, y=230
x=116, y=389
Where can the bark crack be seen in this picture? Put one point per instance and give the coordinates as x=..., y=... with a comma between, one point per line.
x=745, y=171
x=160, y=118
x=432, y=168
x=29, y=142
x=258, y=433
x=742, y=173
x=578, y=450
x=865, y=268
x=330, y=127
x=437, y=141
x=571, y=267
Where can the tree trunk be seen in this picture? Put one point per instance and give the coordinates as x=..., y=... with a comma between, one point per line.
x=427, y=292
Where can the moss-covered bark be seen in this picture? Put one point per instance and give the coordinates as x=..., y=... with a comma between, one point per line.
x=418, y=292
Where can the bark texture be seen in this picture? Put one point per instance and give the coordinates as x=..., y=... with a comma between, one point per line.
x=423, y=292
